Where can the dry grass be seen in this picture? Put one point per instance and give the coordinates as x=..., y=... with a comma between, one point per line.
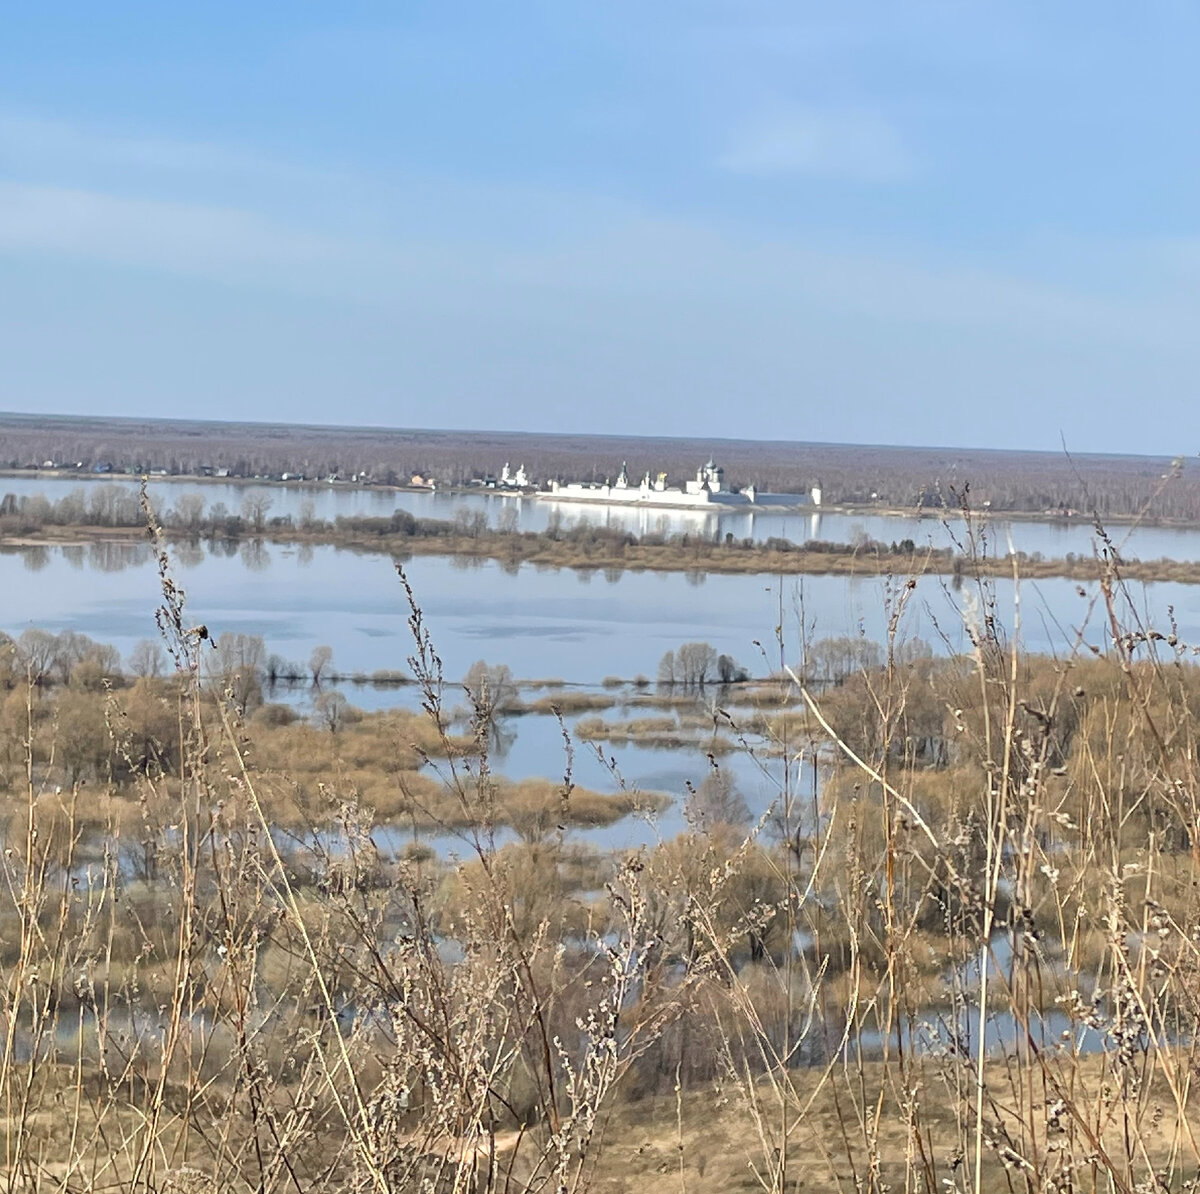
x=668, y=733
x=966, y=959
x=614, y=554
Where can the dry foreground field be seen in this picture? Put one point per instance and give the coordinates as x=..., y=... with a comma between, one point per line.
x=967, y=959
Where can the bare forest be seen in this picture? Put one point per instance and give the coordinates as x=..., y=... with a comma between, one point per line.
x=1029, y=482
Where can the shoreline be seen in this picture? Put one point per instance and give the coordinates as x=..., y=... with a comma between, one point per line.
x=699, y=556
x=848, y=509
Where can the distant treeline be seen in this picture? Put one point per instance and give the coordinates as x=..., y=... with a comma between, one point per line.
x=47, y=659
x=1029, y=482
x=119, y=507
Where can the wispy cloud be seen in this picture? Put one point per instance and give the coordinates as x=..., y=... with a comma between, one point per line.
x=179, y=237
x=828, y=143
x=36, y=147
x=606, y=275
x=531, y=276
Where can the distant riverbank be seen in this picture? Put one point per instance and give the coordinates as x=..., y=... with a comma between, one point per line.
x=931, y=514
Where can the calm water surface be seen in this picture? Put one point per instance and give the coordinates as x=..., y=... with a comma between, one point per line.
x=1050, y=539
x=542, y=622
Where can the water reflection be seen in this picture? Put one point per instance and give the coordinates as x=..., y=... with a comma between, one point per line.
x=107, y=555
x=502, y=736
x=35, y=558
x=188, y=553
x=255, y=556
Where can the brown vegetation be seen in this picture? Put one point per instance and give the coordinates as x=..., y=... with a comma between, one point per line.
x=392, y=763
x=964, y=957
x=672, y=733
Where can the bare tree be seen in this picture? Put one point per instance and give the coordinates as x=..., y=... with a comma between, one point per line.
x=318, y=662
x=330, y=709
x=835, y=659
x=717, y=801
x=189, y=511
x=114, y=506
x=94, y=665
x=695, y=664
x=147, y=658
x=239, y=651
x=71, y=648
x=666, y=670
x=237, y=665
x=490, y=688
x=37, y=651
x=255, y=507
x=278, y=669
x=470, y=523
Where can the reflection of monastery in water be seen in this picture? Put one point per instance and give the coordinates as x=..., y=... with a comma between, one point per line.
x=707, y=491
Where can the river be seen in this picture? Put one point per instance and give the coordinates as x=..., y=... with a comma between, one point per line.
x=579, y=627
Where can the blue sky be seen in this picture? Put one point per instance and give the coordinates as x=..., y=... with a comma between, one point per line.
x=932, y=223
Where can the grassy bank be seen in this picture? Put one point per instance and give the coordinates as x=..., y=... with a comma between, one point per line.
x=598, y=550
